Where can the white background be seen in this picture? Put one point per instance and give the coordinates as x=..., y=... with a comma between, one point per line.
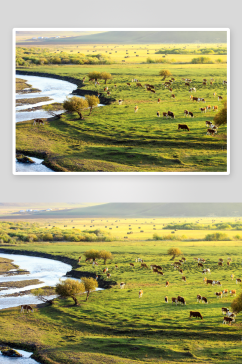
x=126, y=14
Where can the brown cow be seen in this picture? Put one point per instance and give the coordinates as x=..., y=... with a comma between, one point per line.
x=165, y=114
x=181, y=300
x=228, y=263
x=144, y=265
x=220, y=98
x=184, y=279
x=203, y=109
x=204, y=299
x=215, y=107
x=183, y=127
x=174, y=300
x=187, y=84
x=208, y=107
x=200, y=265
x=166, y=299
x=152, y=91
x=131, y=264
x=27, y=308
x=195, y=314
x=106, y=89
x=128, y=84
x=159, y=100
x=211, y=132
x=209, y=281
x=219, y=294
x=136, y=108
x=214, y=94
x=194, y=98
x=220, y=263
x=167, y=283
x=108, y=275
x=173, y=96
x=171, y=114
x=228, y=320
x=208, y=123
x=233, y=292
x=38, y=121
x=199, y=297
x=238, y=280
x=158, y=113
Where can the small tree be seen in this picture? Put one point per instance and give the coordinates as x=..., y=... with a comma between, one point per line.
x=70, y=288
x=221, y=117
x=92, y=101
x=236, y=305
x=51, y=110
x=165, y=73
x=75, y=104
x=105, y=255
x=106, y=76
x=90, y=285
x=92, y=254
x=94, y=75
x=174, y=252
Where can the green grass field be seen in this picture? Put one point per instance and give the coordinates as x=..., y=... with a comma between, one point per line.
x=116, y=326
x=115, y=139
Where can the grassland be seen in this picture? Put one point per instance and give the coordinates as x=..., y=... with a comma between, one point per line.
x=115, y=326
x=115, y=139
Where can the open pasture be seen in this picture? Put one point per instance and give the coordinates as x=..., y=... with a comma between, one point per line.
x=131, y=53
x=116, y=139
x=116, y=321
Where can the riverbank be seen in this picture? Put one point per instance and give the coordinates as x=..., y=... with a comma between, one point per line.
x=73, y=273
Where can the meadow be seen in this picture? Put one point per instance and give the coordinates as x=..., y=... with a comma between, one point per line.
x=115, y=139
x=116, y=326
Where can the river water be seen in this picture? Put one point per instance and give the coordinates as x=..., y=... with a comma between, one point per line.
x=24, y=360
x=55, y=89
x=48, y=271
x=32, y=167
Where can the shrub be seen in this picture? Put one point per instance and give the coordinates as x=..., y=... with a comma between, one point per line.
x=237, y=237
x=202, y=60
x=105, y=255
x=221, y=117
x=47, y=237
x=90, y=285
x=236, y=304
x=174, y=252
x=75, y=104
x=94, y=75
x=70, y=288
x=165, y=74
x=92, y=254
x=106, y=76
x=217, y=237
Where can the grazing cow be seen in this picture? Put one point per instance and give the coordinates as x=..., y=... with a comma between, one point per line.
x=166, y=299
x=214, y=94
x=204, y=83
x=187, y=84
x=27, y=308
x=143, y=265
x=200, y=265
x=230, y=259
x=79, y=259
x=160, y=273
x=211, y=82
x=131, y=264
x=108, y=93
x=159, y=100
x=136, y=109
x=225, y=82
x=177, y=263
x=38, y=121
x=174, y=300
x=206, y=270
x=105, y=270
x=152, y=91
x=180, y=271
x=195, y=314
x=228, y=320
x=116, y=266
x=167, y=283
x=238, y=280
x=183, y=127
x=220, y=98
x=209, y=281
x=128, y=84
x=181, y=300
x=233, y=292
x=203, y=109
x=122, y=284
x=219, y=294
x=204, y=80
x=194, y=98
x=159, y=267
x=158, y=113
x=140, y=293
x=199, y=297
x=225, y=291
x=192, y=89
x=231, y=314
x=215, y=107
x=232, y=276
x=186, y=112
x=220, y=263
x=170, y=89
x=115, y=85
x=205, y=280
x=212, y=132
x=190, y=114
x=209, y=123
x=96, y=277
x=208, y=107
x=204, y=299
x=201, y=99
x=228, y=263
x=138, y=84
x=225, y=310
x=173, y=96
x=184, y=259
x=217, y=282
x=106, y=89
x=108, y=275
x=120, y=101
x=171, y=114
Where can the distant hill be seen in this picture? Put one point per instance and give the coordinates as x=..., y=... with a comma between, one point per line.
x=140, y=210
x=144, y=37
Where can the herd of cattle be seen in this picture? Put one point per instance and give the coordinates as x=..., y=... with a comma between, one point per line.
x=229, y=316
x=212, y=129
